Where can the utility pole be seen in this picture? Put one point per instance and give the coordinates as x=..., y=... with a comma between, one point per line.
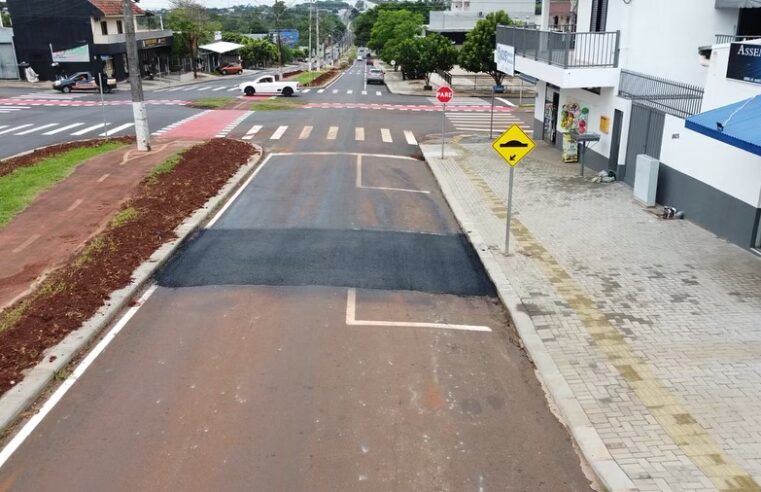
x=136, y=85
x=309, y=49
x=318, y=44
x=278, y=12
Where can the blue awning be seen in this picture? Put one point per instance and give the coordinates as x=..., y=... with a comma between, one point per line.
x=741, y=123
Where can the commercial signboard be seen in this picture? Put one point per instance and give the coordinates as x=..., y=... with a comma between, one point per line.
x=289, y=37
x=78, y=54
x=745, y=62
x=504, y=57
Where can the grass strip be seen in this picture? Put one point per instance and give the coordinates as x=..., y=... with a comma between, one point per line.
x=306, y=77
x=163, y=168
x=211, y=102
x=276, y=104
x=19, y=188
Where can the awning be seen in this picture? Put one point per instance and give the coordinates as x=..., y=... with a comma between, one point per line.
x=221, y=47
x=737, y=124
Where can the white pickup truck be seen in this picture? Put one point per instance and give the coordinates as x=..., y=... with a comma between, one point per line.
x=266, y=84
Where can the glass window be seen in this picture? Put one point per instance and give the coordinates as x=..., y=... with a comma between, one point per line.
x=104, y=28
x=119, y=27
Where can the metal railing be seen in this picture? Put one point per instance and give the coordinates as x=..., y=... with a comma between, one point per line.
x=731, y=38
x=446, y=76
x=564, y=49
x=668, y=96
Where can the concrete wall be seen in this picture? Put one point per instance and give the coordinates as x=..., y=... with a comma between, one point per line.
x=661, y=37
x=721, y=91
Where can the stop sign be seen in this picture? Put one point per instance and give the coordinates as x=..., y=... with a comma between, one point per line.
x=444, y=94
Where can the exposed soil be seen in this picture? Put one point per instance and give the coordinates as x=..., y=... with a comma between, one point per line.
x=73, y=294
x=9, y=165
x=324, y=77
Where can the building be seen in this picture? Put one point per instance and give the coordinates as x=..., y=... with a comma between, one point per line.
x=9, y=68
x=463, y=15
x=632, y=75
x=83, y=35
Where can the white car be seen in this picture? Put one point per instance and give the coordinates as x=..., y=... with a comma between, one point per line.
x=266, y=84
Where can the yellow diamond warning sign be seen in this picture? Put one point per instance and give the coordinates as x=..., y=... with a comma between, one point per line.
x=513, y=145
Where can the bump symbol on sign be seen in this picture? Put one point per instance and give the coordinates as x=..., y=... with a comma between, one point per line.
x=513, y=145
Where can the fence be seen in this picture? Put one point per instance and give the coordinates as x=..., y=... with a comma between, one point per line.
x=674, y=98
x=564, y=49
x=731, y=38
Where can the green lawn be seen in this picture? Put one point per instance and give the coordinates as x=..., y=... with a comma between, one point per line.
x=276, y=104
x=306, y=77
x=211, y=102
x=19, y=188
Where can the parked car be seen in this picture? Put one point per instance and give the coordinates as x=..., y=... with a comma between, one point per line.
x=376, y=76
x=230, y=69
x=266, y=84
x=83, y=81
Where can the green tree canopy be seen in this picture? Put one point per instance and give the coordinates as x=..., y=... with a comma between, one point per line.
x=391, y=28
x=477, y=52
x=436, y=53
x=192, y=27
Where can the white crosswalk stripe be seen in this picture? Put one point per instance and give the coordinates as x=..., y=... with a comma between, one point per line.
x=305, y=132
x=236, y=88
x=306, y=91
x=378, y=93
x=219, y=88
x=320, y=91
x=15, y=128
x=332, y=133
x=56, y=96
x=6, y=108
x=410, y=137
x=35, y=129
x=335, y=91
x=114, y=131
x=279, y=132
x=364, y=93
x=89, y=129
x=386, y=135
x=359, y=134
x=63, y=129
x=206, y=88
x=481, y=122
x=350, y=91
x=253, y=131
x=3, y=126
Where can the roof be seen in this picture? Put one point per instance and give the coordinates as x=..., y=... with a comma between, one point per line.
x=740, y=122
x=113, y=7
x=221, y=46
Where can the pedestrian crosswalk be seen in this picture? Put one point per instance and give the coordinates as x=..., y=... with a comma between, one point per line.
x=208, y=89
x=53, y=96
x=482, y=122
x=74, y=129
x=330, y=134
x=9, y=108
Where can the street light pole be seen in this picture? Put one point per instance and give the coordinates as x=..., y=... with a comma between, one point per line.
x=278, y=13
x=309, y=49
x=318, y=45
x=136, y=86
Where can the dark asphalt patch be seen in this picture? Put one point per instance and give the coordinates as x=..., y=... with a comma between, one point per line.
x=438, y=264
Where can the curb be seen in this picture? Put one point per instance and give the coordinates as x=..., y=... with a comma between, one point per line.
x=31, y=151
x=36, y=379
x=587, y=440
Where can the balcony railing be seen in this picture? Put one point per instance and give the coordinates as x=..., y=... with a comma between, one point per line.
x=563, y=49
x=669, y=96
x=731, y=38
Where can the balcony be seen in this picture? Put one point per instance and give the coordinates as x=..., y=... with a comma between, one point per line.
x=565, y=59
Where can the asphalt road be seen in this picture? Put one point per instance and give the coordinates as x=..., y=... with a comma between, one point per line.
x=332, y=330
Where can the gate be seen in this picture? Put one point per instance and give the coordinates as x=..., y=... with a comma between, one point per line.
x=8, y=67
x=645, y=137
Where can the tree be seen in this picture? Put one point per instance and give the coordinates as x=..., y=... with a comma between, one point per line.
x=477, y=52
x=192, y=26
x=395, y=25
x=436, y=53
x=258, y=53
x=408, y=58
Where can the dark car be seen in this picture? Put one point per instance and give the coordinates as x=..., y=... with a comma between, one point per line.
x=230, y=68
x=84, y=81
x=376, y=76
x=370, y=61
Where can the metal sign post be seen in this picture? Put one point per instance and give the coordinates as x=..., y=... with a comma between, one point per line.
x=491, y=118
x=444, y=94
x=443, y=126
x=512, y=146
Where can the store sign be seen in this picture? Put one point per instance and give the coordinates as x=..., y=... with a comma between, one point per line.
x=153, y=43
x=745, y=62
x=504, y=57
x=78, y=54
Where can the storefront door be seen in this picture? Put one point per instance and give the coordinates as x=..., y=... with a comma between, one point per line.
x=551, y=103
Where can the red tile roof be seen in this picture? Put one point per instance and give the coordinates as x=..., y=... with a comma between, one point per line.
x=113, y=7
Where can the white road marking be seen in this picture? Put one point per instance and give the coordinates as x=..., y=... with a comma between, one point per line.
x=364, y=93
x=332, y=133
x=63, y=129
x=278, y=133
x=350, y=91
x=378, y=93
x=382, y=156
x=89, y=129
x=191, y=88
x=236, y=88
x=35, y=420
x=386, y=135
x=206, y=88
x=219, y=88
x=306, y=91
x=505, y=101
x=359, y=134
x=237, y=193
x=74, y=205
x=103, y=178
x=320, y=91
x=335, y=91
x=113, y=131
x=13, y=129
x=351, y=320
x=410, y=137
x=22, y=246
x=382, y=188
x=3, y=126
x=253, y=131
x=305, y=132
x=36, y=129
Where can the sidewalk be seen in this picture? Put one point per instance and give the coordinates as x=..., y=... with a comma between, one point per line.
x=645, y=332
x=64, y=217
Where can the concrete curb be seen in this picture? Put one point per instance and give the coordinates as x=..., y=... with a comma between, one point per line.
x=591, y=446
x=37, y=379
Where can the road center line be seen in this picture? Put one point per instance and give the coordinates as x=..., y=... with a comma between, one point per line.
x=351, y=319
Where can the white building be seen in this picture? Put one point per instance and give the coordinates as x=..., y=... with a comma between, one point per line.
x=463, y=15
x=633, y=73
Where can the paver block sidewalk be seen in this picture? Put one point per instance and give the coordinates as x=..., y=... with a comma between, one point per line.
x=63, y=218
x=654, y=324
